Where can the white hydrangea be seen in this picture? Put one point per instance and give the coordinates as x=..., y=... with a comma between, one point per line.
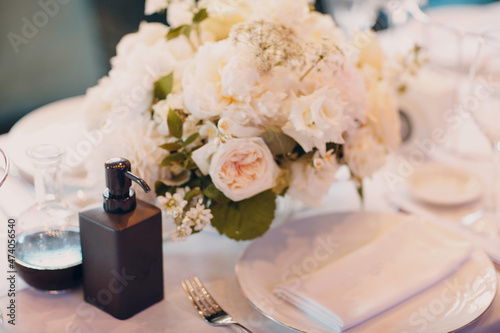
x=363, y=153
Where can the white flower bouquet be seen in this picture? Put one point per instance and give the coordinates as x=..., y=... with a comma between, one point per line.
x=239, y=101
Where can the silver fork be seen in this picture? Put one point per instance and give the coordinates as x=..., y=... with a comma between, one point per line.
x=206, y=306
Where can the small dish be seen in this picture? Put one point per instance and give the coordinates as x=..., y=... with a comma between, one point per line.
x=50, y=259
x=440, y=184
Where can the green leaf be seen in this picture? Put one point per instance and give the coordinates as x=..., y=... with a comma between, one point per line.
x=163, y=86
x=171, y=146
x=161, y=188
x=191, y=139
x=187, y=30
x=360, y=190
x=176, y=32
x=191, y=194
x=199, y=181
x=174, y=124
x=200, y=16
x=172, y=158
x=278, y=142
x=215, y=194
x=189, y=164
x=247, y=219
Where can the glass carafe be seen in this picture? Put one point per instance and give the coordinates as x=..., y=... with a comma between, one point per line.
x=48, y=251
x=50, y=210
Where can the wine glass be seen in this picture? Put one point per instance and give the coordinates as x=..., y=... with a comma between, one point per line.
x=483, y=102
x=353, y=15
x=6, y=165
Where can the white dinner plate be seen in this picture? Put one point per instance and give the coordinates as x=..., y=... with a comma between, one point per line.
x=440, y=184
x=59, y=123
x=299, y=245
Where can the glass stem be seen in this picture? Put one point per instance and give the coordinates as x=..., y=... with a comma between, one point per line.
x=47, y=181
x=494, y=195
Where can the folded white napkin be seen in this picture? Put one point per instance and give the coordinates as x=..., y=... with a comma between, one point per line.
x=402, y=262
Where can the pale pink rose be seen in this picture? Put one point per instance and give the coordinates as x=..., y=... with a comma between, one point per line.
x=242, y=168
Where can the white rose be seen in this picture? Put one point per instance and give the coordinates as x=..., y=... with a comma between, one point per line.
x=223, y=15
x=155, y=6
x=147, y=35
x=317, y=119
x=180, y=12
x=257, y=101
x=203, y=155
x=318, y=27
x=290, y=13
x=363, y=153
x=383, y=116
x=310, y=184
x=202, y=80
x=242, y=168
x=240, y=79
x=350, y=84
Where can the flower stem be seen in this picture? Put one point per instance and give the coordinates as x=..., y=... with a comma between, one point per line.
x=311, y=68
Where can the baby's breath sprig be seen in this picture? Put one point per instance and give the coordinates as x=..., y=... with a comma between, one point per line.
x=410, y=65
x=272, y=43
x=323, y=52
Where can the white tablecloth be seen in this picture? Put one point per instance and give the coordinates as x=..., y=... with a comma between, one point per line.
x=208, y=255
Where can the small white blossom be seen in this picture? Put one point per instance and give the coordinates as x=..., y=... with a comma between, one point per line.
x=181, y=233
x=172, y=204
x=199, y=216
x=208, y=131
x=182, y=191
x=318, y=163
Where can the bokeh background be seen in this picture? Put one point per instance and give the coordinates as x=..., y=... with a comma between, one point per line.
x=53, y=49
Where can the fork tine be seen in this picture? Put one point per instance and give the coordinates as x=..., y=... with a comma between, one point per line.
x=208, y=296
x=202, y=295
x=191, y=298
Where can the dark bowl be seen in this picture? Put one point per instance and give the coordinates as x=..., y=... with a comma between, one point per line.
x=50, y=259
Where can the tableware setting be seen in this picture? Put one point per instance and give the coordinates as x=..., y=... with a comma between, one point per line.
x=304, y=251
x=212, y=122
x=439, y=184
x=206, y=306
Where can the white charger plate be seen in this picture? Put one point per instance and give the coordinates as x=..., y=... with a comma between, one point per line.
x=59, y=123
x=440, y=184
x=303, y=244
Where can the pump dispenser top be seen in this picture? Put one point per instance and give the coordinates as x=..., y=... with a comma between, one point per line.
x=119, y=198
